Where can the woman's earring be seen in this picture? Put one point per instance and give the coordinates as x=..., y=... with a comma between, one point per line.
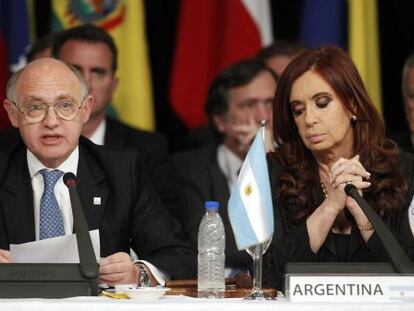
x=353, y=121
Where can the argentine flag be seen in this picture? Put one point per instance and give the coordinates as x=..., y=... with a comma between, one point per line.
x=250, y=206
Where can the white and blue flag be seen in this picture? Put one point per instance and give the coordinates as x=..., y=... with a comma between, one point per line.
x=250, y=206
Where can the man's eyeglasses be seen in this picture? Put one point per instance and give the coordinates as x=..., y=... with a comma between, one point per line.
x=65, y=109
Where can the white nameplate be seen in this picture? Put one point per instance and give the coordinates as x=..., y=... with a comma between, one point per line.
x=308, y=288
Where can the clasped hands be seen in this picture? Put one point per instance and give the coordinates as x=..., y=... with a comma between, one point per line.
x=343, y=172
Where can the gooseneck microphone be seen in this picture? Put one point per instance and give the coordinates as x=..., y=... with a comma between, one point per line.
x=398, y=256
x=89, y=266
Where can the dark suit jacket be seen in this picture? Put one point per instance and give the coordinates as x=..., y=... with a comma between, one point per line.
x=152, y=146
x=154, y=149
x=403, y=140
x=131, y=214
x=204, y=181
x=291, y=243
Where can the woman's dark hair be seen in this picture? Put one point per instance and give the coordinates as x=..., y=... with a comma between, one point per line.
x=300, y=176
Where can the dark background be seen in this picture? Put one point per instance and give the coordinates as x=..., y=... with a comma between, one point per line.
x=396, y=34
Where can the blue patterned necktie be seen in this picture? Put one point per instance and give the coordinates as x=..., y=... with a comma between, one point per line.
x=51, y=221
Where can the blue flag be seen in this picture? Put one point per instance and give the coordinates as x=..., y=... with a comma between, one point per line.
x=324, y=22
x=250, y=206
x=14, y=19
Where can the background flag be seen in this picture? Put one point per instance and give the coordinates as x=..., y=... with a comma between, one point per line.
x=364, y=46
x=211, y=35
x=323, y=22
x=250, y=206
x=14, y=39
x=124, y=20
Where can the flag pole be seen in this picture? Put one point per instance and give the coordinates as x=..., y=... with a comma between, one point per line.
x=256, y=252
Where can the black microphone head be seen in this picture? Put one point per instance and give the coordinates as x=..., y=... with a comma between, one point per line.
x=349, y=188
x=69, y=179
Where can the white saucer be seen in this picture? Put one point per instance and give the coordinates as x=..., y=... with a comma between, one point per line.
x=144, y=293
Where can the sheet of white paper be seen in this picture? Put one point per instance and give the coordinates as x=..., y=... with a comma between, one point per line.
x=62, y=249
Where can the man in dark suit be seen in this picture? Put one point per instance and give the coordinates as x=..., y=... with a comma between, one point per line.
x=93, y=52
x=239, y=98
x=405, y=139
x=48, y=101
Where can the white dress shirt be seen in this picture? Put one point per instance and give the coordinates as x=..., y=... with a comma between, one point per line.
x=98, y=137
x=61, y=191
x=229, y=164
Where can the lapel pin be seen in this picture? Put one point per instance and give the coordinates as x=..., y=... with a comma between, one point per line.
x=96, y=200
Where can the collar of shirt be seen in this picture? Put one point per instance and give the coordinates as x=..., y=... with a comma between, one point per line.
x=69, y=165
x=98, y=137
x=61, y=191
x=229, y=164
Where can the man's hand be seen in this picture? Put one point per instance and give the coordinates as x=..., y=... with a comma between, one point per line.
x=118, y=269
x=4, y=256
x=245, y=134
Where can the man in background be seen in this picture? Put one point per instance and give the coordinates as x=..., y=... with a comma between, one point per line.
x=405, y=139
x=239, y=98
x=279, y=54
x=93, y=52
x=42, y=48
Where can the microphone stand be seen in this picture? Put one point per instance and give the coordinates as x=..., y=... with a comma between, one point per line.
x=398, y=256
x=89, y=266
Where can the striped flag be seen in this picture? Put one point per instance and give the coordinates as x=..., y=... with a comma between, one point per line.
x=14, y=39
x=250, y=205
x=211, y=35
x=364, y=46
x=124, y=20
x=323, y=22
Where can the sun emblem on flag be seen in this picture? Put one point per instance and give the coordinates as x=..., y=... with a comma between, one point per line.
x=248, y=190
x=107, y=14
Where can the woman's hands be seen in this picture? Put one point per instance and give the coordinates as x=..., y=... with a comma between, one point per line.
x=334, y=179
x=343, y=172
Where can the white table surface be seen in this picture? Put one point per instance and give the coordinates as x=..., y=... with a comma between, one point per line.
x=181, y=303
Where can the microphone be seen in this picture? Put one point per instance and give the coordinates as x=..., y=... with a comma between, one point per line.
x=89, y=266
x=398, y=256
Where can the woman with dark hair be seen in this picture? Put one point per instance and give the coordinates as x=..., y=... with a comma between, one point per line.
x=329, y=134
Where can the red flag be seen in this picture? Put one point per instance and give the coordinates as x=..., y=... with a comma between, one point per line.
x=212, y=34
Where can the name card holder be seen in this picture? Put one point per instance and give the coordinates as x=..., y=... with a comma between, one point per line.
x=350, y=288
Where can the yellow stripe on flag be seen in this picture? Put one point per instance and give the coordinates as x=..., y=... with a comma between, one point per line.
x=364, y=47
x=133, y=99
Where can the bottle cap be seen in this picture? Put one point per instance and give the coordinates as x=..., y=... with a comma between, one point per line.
x=211, y=205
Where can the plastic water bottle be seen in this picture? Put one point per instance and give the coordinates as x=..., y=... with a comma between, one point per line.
x=211, y=244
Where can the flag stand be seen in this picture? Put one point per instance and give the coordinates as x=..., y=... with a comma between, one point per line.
x=256, y=252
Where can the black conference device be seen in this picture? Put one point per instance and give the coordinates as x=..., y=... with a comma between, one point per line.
x=48, y=280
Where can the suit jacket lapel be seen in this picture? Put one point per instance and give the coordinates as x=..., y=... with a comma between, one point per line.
x=92, y=187
x=18, y=201
x=113, y=137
